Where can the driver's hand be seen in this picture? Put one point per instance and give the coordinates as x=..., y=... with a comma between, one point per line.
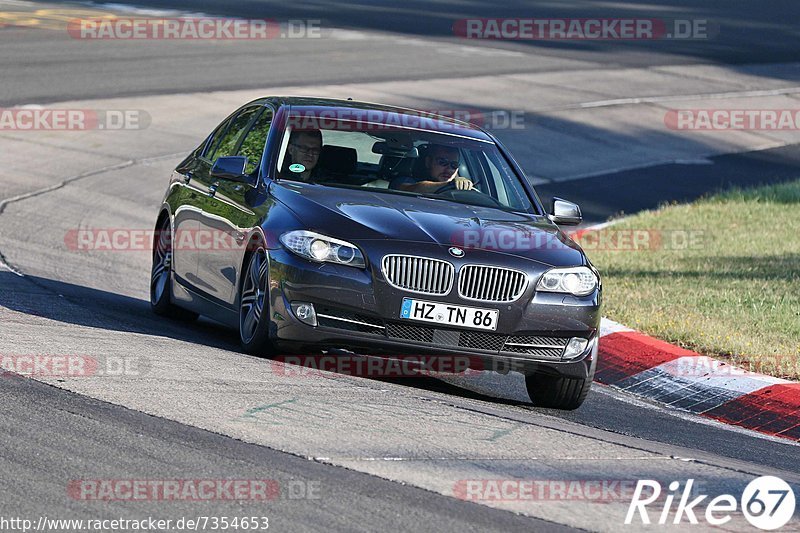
x=463, y=184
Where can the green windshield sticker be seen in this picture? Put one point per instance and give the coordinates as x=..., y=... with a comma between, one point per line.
x=297, y=167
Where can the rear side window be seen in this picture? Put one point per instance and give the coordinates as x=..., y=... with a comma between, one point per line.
x=227, y=137
x=255, y=140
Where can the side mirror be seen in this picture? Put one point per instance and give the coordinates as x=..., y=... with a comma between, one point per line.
x=566, y=213
x=231, y=168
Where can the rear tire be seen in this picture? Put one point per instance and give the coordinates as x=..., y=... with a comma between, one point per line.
x=557, y=392
x=254, y=307
x=161, y=277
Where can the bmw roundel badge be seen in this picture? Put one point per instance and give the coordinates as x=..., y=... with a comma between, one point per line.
x=456, y=252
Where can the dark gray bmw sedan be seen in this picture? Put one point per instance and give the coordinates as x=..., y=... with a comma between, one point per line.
x=312, y=224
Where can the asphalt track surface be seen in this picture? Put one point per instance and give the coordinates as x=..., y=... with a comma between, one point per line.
x=88, y=430
x=386, y=453
x=53, y=67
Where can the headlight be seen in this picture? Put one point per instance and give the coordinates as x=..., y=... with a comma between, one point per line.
x=323, y=249
x=578, y=281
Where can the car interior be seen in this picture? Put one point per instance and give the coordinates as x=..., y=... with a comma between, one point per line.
x=340, y=164
x=371, y=160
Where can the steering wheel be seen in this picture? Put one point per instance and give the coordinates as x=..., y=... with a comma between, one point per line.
x=449, y=186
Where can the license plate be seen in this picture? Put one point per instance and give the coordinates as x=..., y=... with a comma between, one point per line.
x=449, y=314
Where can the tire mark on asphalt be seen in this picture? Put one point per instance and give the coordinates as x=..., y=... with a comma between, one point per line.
x=89, y=173
x=63, y=183
x=4, y=263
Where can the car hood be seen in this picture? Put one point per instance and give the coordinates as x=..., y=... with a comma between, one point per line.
x=359, y=216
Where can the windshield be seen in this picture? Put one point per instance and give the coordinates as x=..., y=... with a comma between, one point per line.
x=403, y=161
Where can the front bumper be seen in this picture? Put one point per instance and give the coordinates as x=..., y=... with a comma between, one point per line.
x=363, y=313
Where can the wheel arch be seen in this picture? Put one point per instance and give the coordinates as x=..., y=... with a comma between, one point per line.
x=253, y=241
x=163, y=214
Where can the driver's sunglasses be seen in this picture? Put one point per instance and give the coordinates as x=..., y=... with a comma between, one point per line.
x=443, y=162
x=310, y=150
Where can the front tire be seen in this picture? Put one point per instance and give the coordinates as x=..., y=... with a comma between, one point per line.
x=161, y=276
x=254, y=307
x=557, y=392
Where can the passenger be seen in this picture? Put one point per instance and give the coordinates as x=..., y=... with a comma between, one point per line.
x=304, y=149
x=441, y=168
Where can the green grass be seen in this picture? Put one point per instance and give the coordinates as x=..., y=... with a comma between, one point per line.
x=734, y=293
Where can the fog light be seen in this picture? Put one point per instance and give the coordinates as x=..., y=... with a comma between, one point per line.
x=305, y=313
x=575, y=347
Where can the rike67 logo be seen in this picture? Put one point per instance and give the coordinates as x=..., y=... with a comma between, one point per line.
x=767, y=502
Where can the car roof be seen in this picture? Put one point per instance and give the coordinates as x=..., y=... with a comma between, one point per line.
x=345, y=108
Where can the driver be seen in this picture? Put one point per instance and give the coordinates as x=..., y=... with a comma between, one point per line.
x=441, y=168
x=303, y=152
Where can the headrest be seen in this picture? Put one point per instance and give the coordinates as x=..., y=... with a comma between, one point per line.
x=419, y=170
x=338, y=159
